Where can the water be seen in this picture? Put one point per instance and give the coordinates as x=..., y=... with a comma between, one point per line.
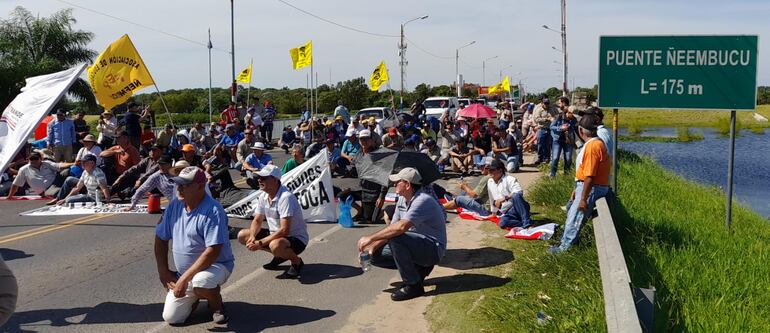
x=705, y=161
x=365, y=259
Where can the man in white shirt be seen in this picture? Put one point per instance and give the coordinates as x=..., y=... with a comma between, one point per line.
x=286, y=233
x=506, y=198
x=37, y=176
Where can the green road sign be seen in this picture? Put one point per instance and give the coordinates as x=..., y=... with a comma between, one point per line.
x=678, y=72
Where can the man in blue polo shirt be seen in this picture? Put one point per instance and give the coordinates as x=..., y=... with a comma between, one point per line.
x=202, y=254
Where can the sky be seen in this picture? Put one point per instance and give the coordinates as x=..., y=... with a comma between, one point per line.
x=510, y=30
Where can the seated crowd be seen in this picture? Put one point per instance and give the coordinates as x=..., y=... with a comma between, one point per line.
x=192, y=169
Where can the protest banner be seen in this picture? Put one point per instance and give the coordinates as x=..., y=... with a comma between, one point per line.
x=27, y=109
x=311, y=183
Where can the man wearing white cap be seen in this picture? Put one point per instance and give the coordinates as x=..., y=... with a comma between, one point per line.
x=202, y=254
x=257, y=160
x=286, y=233
x=417, y=235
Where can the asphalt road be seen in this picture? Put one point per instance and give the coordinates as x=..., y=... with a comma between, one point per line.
x=97, y=274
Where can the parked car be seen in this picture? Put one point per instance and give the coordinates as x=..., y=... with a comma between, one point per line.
x=436, y=106
x=384, y=116
x=464, y=101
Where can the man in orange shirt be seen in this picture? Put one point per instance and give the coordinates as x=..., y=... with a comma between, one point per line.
x=592, y=181
x=120, y=158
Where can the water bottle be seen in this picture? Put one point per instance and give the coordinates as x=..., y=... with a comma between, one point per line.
x=366, y=260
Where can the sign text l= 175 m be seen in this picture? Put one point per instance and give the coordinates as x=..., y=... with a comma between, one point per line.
x=671, y=87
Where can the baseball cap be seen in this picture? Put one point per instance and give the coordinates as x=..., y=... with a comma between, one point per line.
x=258, y=146
x=495, y=164
x=189, y=175
x=372, y=120
x=338, y=118
x=351, y=132
x=409, y=174
x=365, y=134
x=188, y=148
x=592, y=110
x=89, y=158
x=270, y=170
x=165, y=159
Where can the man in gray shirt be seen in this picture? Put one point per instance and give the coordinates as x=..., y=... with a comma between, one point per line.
x=342, y=111
x=417, y=235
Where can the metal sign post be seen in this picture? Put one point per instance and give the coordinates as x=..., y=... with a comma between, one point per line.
x=615, y=150
x=730, y=158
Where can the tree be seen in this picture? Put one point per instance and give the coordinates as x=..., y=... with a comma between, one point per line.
x=31, y=46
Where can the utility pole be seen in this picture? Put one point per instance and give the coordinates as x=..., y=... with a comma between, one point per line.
x=564, y=43
x=210, y=104
x=457, y=67
x=484, y=71
x=403, y=62
x=234, y=87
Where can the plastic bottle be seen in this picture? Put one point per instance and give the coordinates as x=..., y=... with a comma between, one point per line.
x=366, y=260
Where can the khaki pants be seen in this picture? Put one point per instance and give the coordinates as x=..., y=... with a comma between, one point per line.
x=62, y=153
x=461, y=165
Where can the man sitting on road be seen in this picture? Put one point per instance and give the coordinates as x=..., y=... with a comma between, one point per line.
x=506, y=197
x=201, y=249
x=92, y=179
x=349, y=150
x=416, y=237
x=159, y=180
x=37, y=177
x=257, y=160
x=244, y=148
x=286, y=234
x=461, y=157
x=476, y=199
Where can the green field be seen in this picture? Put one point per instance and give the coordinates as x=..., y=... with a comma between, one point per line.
x=674, y=238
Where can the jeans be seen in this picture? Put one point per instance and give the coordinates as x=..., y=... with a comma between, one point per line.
x=411, y=250
x=575, y=217
x=556, y=149
x=79, y=198
x=518, y=214
x=468, y=203
x=67, y=187
x=543, y=144
x=511, y=162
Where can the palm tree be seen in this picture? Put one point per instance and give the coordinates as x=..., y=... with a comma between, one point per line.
x=31, y=46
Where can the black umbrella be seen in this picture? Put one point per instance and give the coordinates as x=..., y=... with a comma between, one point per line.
x=379, y=164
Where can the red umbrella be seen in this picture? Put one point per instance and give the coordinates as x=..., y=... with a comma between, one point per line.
x=477, y=111
x=42, y=128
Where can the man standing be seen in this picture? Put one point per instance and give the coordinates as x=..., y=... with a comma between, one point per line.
x=267, y=124
x=417, y=235
x=342, y=111
x=286, y=233
x=124, y=156
x=563, y=136
x=201, y=249
x=61, y=136
x=227, y=115
x=132, y=122
x=81, y=126
x=592, y=181
x=543, y=115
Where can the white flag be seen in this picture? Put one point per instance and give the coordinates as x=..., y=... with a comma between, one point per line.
x=311, y=183
x=25, y=112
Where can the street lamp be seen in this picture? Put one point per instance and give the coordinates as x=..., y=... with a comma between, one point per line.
x=504, y=68
x=563, y=42
x=402, y=53
x=484, y=70
x=457, y=65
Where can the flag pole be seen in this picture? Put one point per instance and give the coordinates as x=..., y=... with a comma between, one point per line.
x=311, y=100
x=248, y=91
x=154, y=83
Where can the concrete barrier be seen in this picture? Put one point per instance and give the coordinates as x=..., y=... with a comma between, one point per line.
x=619, y=303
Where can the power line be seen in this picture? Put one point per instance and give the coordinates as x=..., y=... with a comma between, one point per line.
x=426, y=51
x=469, y=65
x=338, y=24
x=141, y=25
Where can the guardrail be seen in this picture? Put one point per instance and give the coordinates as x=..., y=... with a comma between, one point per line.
x=627, y=309
x=278, y=126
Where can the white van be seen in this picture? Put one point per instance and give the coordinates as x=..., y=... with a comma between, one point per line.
x=437, y=106
x=384, y=116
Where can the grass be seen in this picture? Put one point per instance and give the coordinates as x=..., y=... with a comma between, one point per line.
x=674, y=238
x=636, y=119
x=683, y=134
x=566, y=288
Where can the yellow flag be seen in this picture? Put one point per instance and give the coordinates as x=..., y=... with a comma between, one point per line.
x=504, y=85
x=245, y=75
x=302, y=56
x=379, y=76
x=117, y=73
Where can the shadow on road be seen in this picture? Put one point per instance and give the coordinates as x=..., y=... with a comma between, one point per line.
x=244, y=317
x=104, y=313
x=11, y=254
x=315, y=273
x=464, y=259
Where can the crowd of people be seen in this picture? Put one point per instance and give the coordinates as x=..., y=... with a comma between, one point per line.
x=128, y=161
